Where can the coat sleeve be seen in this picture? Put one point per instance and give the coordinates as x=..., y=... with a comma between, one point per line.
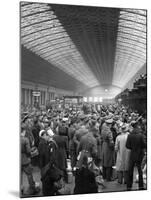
x=110, y=138
x=75, y=140
x=128, y=142
x=79, y=148
x=66, y=145
x=117, y=144
x=144, y=143
x=28, y=149
x=94, y=148
x=41, y=156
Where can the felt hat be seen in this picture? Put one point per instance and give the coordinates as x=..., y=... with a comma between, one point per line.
x=125, y=127
x=64, y=119
x=109, y=121
x=41, y=132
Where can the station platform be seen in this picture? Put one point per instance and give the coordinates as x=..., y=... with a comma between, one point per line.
x=112, y=186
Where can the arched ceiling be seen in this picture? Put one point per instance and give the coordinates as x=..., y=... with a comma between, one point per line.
x=90, y=50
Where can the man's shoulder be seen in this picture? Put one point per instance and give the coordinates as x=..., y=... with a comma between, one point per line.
x=84, y=137
x=83, y=130
x=42, y=141
x=71, y=129
x=77, y=132
x=24, y=139
x=134, y=136
x=119, y=137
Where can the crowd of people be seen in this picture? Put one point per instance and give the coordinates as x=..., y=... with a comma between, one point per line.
x=95, y=142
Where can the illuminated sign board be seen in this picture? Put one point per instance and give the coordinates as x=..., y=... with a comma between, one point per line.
x=36, y=93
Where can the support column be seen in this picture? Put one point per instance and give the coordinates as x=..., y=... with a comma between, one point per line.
x=29, y=98
x=25, y=96
x=46, y=96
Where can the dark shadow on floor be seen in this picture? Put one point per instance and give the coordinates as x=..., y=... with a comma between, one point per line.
x=14, y=193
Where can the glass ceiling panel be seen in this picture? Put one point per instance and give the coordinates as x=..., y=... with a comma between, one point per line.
x=33, y=8
x=131, y=24
x=71, y=69
x=140, y=22
x=47, y=24
x=132, y=32
x=42, y=33
x=121, y=41
x=126, y=60
x=50, y=28
x=126, y=40
x=130, y=69
x=51, y=42
x=41, y=15
x=133, y=17
x=129, y=56
x=131, y=37
x=56, y=51
x=133, y=52
x=130, y=53
x=45, y=45
x=136, y=11
x=47, y=33
x=72, y=54
x=25, y=22
x=24, y=3
x=57, y=46
x=131, y=47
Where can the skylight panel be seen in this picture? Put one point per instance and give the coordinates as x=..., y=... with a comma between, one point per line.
x=131, y=37
x=130, y=53
x=129, y=31
x=38, y=19
x=135, y=11
x=133, y=17
x=33, y=9
x=38, y=35
x=132, y=24
x=43, y=34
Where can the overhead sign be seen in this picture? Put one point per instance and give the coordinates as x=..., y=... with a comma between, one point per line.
x=36, y=93
x=71, y=100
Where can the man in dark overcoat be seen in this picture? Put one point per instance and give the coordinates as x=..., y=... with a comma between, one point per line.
x=62, y=152
x=85, y=179
x=49, y=170
x=26, y=162
x=135, y=142
x=107, y=149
